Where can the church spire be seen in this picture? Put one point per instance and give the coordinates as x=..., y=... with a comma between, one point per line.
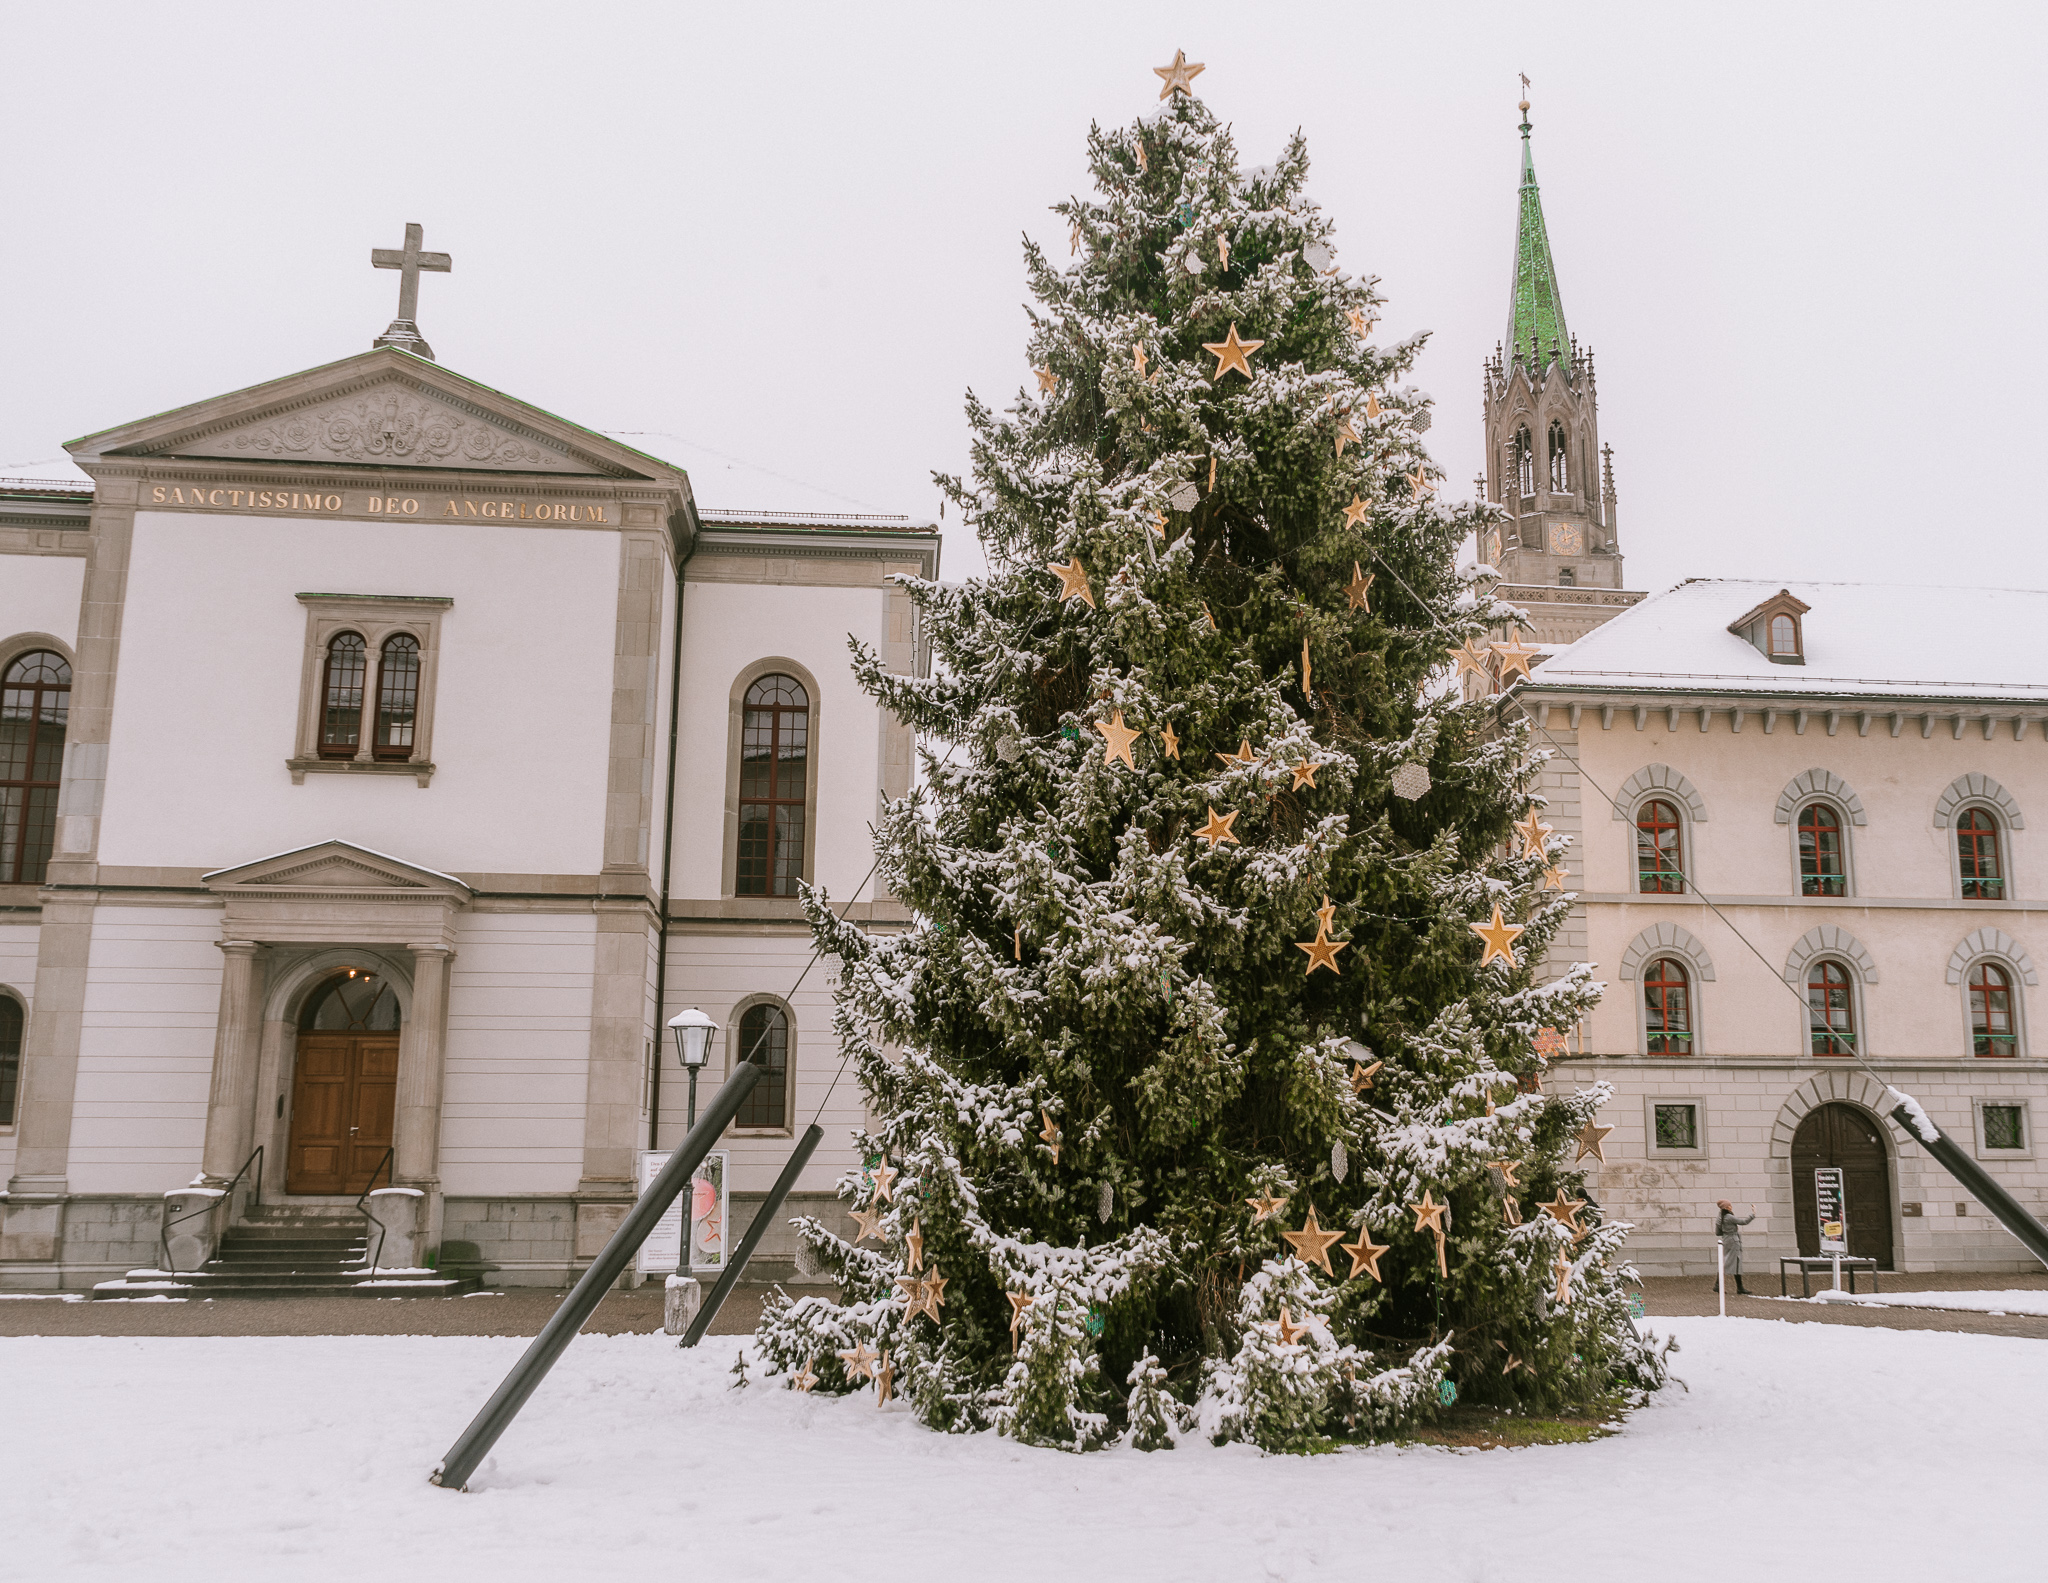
x=1535, y=308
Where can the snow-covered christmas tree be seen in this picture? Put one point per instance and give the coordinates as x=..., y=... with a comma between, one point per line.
x=1207, y=1083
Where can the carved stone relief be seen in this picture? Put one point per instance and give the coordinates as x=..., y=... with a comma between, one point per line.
x=390, y=427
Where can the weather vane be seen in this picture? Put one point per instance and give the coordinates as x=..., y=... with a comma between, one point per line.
x=1524, y=106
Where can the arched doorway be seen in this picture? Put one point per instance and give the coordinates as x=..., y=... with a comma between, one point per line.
x=344, y=1084
x=1847, y=1137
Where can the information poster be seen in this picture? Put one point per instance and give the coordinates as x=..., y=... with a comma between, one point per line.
x=1833, y=1210
x=705, y=1201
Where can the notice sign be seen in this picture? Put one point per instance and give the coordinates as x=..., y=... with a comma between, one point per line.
x=1833, y=1209
x=705, y=1201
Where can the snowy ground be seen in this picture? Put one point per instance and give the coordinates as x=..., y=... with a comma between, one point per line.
x=1871, y=1453
x=2025, y=1301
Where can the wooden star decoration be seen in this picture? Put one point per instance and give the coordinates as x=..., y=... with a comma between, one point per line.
x=913, y=1246
x=1499, y=938
x=1362, y=1076
x=1322, y=952
x=860, y=1360
x=1311, y=1244
x=1468, y=658
x=1285, y=1328
x=1217, y=830
x=1172, y=742
x=1372, y=406
x=1532, y=830
x=885, y=1381
x=1052, y=1135
x=1355, y=513
x=868, y=1220
x=1047, y=380
x=1361, y=326
x=808, y=1378
x=1073, y=581
x=1138, y=358
x=1346, y=434
x=1365, y=1255
x=1510, y=1366
x=1117, y=739
x=1565, y=1211
x=1231, y=353
x=934, y=1294
x=1359, y=586
x=1554, y=877
x=1326, y=915
x=1419, y=484
x=1429, y=1214
x=1223, y=253
x=1179, y=76
x=885, y=1181
x=1589, y=1139
x=1143, y=165
x=1019, y=1301
x=1515, y=657
x=1265, y=1208
x=912, y=1289
x=1563, y=1270
x=1507, y=1169
x=1304, y=775
x=1243, y=755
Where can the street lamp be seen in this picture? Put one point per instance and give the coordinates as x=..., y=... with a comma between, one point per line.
x=692, y=1032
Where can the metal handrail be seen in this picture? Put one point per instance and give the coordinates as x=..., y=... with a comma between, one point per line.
x=163, y=1235
x=370, y=1187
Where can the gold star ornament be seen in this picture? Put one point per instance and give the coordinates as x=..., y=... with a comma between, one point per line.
x=1429, y=1216
x=885, y=1381
x=1356, y=590
x=1265, y=1208
x=1304, y=775
x=1365, y=1255
x=1172, y=742
x=1179, y=76
x=1019, y=1301
x=1563, y=1270
x=868, y=1220
x=1499, y=938
x=1244, y=753
x=1346, y=434
x=1052, y=1135
x=1565, y=1211
x=1554, y=877
x=1362, y=1076
x=1322, y=952
x=1589, y=1139
x=1311, y=1244
x=1285, y=1328
x=1217, y=830
x=1117, y=739
x=1355, y=513
x=1047, y=380
x=1468, y=658
x=808, y=1378
x=1231, y=353
x=913, y=1247
x=1073, y=581
x=885, y=1181
x=1515, y=657
x=1532, y=830
x=1361, y=326
x=860, y=1360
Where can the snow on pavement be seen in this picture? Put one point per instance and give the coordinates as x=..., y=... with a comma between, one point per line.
x=1885, y=1453
x=2020, y=1300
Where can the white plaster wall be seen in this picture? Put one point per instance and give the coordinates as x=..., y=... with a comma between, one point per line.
x=726, y=627
x=518, y=1046
x=208, y=690
x=146, y=1049
x=715, y=973
x=40, y=593
x=17, y=973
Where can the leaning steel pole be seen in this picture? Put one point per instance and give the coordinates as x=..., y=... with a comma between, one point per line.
x=475, y=1442
x=1907, y=1112
x=737, y=1264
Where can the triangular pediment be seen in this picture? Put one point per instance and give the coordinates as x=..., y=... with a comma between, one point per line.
x=335, y=868
x=382, y=408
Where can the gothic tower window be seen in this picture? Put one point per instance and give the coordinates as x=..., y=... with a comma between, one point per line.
x=35, y=704
x=1560, y=474
x=1524, y=453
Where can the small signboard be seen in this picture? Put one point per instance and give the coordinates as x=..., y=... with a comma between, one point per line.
x=1832, y=1208
x=705, y=1201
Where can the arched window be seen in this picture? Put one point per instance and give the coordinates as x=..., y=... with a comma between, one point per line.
x=1660, y=855
x=1977, y=855
x=1821, y=869
x=1992, y=1028
x=1784, y=636
x=1667, y=1007
x=1560, y=474
x=1831, y=1008
x=10, y=1056
x=398, y=696
x=355, y=1000
x=35, y=703
x=1525, y=462
x=764, y=1040
x=775, y=739
x=341, y=696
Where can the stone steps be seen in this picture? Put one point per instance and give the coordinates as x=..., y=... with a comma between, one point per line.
x=289, y=1251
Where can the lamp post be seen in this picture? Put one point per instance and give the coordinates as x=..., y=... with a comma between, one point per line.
x=692, y=1032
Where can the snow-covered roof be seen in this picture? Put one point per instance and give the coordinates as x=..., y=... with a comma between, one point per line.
x=1879, y=640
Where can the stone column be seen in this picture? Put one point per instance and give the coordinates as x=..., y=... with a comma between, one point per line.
x=231, y=1102
x=422, y=1054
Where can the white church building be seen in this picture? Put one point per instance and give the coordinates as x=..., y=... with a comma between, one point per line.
x=356, y=728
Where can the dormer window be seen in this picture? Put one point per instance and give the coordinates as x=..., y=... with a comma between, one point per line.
x=1774, y=628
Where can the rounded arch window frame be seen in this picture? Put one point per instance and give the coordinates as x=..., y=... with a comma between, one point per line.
x=14, y=997
x=2005, y=825
x=2016, y=985
x=736, y=711
x=734, y=1050
x=1668, y=941
x=18, y=647
x=1859, y=1027
x=1681, y=808
x=1846, y=821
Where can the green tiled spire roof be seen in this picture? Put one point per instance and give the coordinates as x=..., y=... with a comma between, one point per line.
x=1535, y=307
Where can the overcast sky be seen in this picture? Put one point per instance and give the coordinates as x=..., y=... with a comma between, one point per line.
x=778, y=244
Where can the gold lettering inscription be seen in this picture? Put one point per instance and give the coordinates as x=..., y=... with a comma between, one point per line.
x=157, y=497
x=500, y=510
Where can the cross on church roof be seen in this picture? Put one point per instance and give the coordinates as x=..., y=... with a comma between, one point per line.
x=404, y=331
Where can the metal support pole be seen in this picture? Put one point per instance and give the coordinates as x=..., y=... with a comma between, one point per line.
x=1985, y=1187
x=1721, y=1274
x=475, y=1442
x=692, y=1119
x=806, y=1146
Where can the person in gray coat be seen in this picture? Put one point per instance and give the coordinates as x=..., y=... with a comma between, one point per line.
x=1729, y=1230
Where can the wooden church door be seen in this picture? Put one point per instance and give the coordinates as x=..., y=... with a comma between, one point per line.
x=344, y=1085
x=1844, y=1136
